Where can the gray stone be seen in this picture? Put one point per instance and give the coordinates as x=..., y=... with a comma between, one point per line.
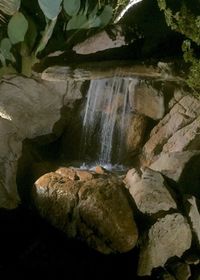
x=135, y=133
x=168, y=237
x=194, y=217
x=150, y=193
x=28, y=108
x=176, y=132
x=132, y=177
x=147, y=100
x=182, y=167
x=100, y=41
x=172, y=165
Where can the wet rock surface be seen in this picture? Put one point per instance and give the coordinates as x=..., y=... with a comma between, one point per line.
x=96, y=210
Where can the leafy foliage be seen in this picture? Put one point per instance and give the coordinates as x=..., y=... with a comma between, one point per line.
x=17, y=28
x=72, y=7
x=187, y=23
x=5, y=51
x=23, y=40
x=50, y=8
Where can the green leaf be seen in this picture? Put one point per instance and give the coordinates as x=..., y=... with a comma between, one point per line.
x=17, y=28
x=106, y=15
x=77, y=22
x=5, y=47
x=50, y=8
x=94, y=22
x=2, y=59
x=94, y=11
x=72, y=7
x=85, y=11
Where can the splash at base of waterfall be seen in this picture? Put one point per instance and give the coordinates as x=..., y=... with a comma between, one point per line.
x=118, y=168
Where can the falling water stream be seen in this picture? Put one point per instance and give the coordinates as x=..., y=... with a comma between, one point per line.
x=106, y=119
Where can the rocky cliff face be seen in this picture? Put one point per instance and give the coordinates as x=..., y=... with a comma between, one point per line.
x=28, y=109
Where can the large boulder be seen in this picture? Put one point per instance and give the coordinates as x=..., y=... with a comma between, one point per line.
x=101, y=41
x=177, y=131
x=151, y=194
x=168, y=237
x=182, y=167
x=96, y=210
x=135, y=134
x=28, y=108
x=193, y=213
x=147, y=100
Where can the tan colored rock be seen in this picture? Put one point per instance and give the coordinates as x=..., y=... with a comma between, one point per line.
x=11, y=146
x=69, y=173
x=172, y=165
x=73, y=92
x=99, y=42
x=151, y=194
x=105, y=208
x=100, y=170
x=135, y=133
x=84, y=175
x=147, y=100
x=168, y=237
x=132, y=177
x=182, y=167
x=186, y=138
x=55, y=197
x=194, y=217
x=177, y=131
x=96, y=211
x=28, y=108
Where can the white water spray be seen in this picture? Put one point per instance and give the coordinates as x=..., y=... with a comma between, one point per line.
x=107, y=115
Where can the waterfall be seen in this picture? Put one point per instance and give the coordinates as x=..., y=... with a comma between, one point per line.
x=106, y=119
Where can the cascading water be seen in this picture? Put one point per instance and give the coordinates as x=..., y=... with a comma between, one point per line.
x=106, y=118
